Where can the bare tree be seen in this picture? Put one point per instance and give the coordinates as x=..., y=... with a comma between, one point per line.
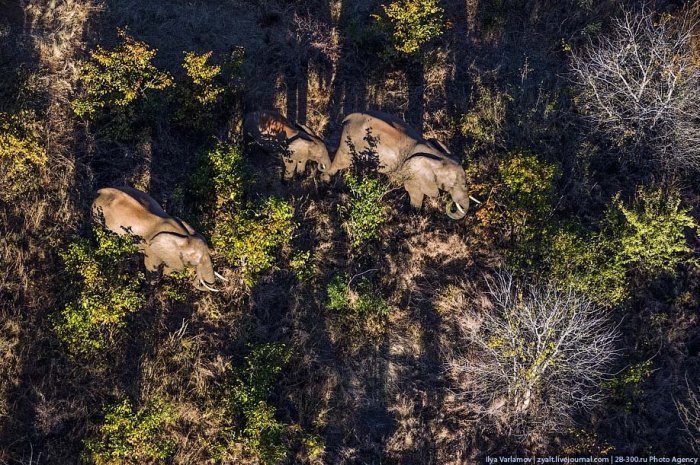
x=536, y=354
x=641, y=83
x=689, y=413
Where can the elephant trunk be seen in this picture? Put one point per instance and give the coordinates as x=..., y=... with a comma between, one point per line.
x=206, y=276
x=459, y=214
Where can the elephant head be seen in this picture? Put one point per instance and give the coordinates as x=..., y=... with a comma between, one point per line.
x=178, y=251
x=457, y=187
x=313, y=146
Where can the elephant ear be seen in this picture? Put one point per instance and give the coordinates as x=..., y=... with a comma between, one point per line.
x=168, y=248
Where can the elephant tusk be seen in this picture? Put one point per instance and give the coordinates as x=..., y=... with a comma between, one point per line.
x=208, y=287
x=475, y=200
x=322, y=167
x=457, y=215
x=220, y=277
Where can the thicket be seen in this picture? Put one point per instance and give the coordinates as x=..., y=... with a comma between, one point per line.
x=644, y=240
x=365, y=213
x=520, y=207
x=411, y=24
x=109, y=289
x=253, y=422
x=128, y=436
x=22, y=156
x=248, y=232
x=115, y=84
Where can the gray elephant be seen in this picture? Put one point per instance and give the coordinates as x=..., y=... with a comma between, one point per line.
x=164, y=240
x=423, y=166
x=296, y=142
x=426, y=174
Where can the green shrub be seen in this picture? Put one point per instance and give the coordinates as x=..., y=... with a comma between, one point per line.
x=302, y=266
x=200, y=95
x=653, y=238
x=109, y=291
x=520, y=207
x=627, y=386
x=646, y=239
x=133, y=437
x=21, y=155
x=221, y=176
x=115, y=81
x=255, y=425
x=251, y=239
x=366, y=213
x=411, y=23
x=360, y=299
x=248, y=234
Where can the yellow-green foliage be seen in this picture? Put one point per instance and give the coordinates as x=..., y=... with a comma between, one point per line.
x=109, y=291
x=199, y=95
x=251, y=239
x=366, y=212
x=412, y=23
x=521, y=204
x=253, y=418
x=653, y=240
x=627, y=386
x=133, y=437
x=201, y=76
x=114, y=80
x=21, y=155
x=647, y=237
x=248, y=234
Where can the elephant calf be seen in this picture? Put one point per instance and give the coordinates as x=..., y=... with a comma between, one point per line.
x=297, y=143
x=165, y=240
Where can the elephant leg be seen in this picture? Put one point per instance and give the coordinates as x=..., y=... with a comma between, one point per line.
x=415, y=193
x=301, y=166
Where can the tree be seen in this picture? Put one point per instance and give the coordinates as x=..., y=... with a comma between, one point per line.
x=640, y=84
x=537, y=354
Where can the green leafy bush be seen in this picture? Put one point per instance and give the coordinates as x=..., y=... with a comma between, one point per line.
x=627, y=386
x=647, y=239
x=221, y=176
x=132, y=437
x=411, y=23
x=200, y=95
x=255, y=425
x=115, y=81
x=520, y=206
x=21, y=155
x=248, y=234
x=357, y=302
x=250, y=239
x=366, y=213
x=109, y=291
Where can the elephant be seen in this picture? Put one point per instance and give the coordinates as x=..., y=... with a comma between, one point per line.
x=422, y=166
x=426, y=174
x=296, y=142
x=388, y=137
x=163, y=239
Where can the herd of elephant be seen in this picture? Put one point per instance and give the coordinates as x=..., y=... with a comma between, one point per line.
x=390, y=146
